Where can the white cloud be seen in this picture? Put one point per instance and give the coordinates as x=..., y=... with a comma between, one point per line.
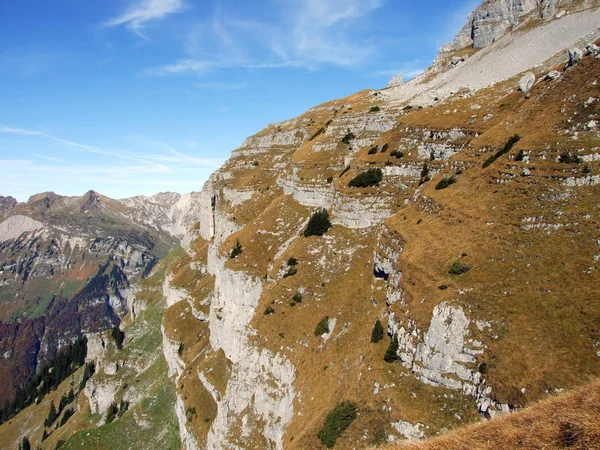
x=137, y=15
x=304, y=33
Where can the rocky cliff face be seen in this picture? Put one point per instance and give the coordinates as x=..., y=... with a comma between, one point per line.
x=495, y=18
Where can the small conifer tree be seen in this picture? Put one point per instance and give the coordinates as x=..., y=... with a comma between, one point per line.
x=391, y=355
x=318, y=224
x=378, y=332
x=237, y=249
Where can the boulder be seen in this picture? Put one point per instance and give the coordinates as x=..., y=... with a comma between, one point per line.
x=553, y=75
x=396, y=81
x=527, y=82
x=575, y=55
x=592, y=49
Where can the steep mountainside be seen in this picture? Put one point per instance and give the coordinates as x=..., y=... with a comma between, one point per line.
x=469, y=343
x=387, y=266
x=67, y=265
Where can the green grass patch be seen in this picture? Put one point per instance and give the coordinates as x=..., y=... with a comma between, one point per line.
x=336, y=422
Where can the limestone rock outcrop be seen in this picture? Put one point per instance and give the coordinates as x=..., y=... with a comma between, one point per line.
x=493, y=19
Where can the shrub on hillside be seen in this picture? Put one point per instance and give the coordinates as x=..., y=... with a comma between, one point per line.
x=348, y=137
x=66, y=416
x=90, y=369
x=118, y=336
x=318, y=224
x=317, y=133
x=336, y=422
x=520, y=156
x=375, y=109
x=371, y=177
x=424, y=174
x=25, y=445
x=445, y=182
x=569, y=158
x=296, y=298
x=384, y=148
x=373, y=150
x=507, y=147
x=291, y=272
x=378, y=333
x=458, y=268
x=111, y=413
x=269, y=311
x=322, y=327
x=236, y=250
x=52, y=415
x=391, y=354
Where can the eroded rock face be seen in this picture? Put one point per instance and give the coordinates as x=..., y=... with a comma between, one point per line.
x=444, y=350
x=493, y=19
x=100, y=394
x=261, y=385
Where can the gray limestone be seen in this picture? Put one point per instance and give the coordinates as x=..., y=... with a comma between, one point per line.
x=575, y=55
x=527, y=81
x=396, y=81
x=15, y=226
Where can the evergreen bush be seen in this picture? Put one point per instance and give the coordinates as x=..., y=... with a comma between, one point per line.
x=391, y=355
x=371, y=177
x=318, y=224
x=336, y=422
x=322, y=327
x=377, y=333
x=445, y=182
x=236, y=250
x=458, y=268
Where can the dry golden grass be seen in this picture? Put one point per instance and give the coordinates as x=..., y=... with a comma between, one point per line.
x=519, y=278
x=569, y=420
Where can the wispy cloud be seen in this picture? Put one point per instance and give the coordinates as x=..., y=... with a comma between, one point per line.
x=169, y=154
x=50, y=158
x=137, y=15
x=203, y=66
x=20, y=131
x=304, y=33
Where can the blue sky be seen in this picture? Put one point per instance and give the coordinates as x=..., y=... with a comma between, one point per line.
x=131, y=97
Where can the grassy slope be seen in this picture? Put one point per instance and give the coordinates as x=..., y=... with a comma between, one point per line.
x=152, y=422
x=570, y=420
x=149, y=423
x=534, y=285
